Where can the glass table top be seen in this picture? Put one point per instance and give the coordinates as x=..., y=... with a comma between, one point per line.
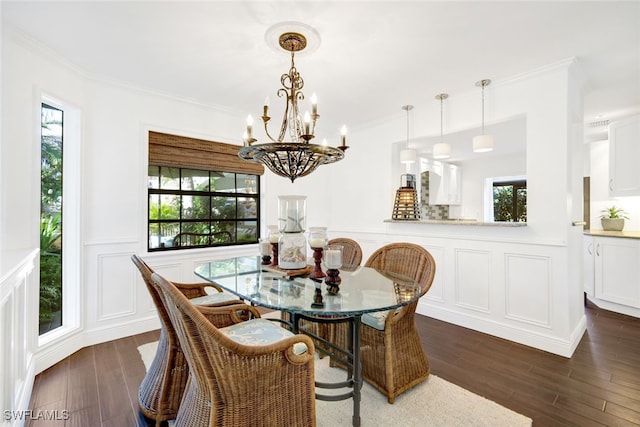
x=362, y=290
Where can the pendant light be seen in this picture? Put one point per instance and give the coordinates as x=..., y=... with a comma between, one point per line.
x=441, y=150
x=407, y=155
x=482, y=143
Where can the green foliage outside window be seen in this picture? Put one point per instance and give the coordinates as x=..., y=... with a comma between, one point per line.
x=50, y=268
x=196, y=208
x=510, y=202
x=50, y=315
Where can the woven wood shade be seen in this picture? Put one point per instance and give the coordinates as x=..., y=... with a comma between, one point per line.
x=180, y=151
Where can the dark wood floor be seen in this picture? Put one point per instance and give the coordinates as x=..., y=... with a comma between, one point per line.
x=598, y=386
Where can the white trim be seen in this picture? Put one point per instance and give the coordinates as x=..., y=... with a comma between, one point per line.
x=528, y=337
x=71, y=219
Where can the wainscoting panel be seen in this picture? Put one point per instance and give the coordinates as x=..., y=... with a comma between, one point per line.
x=6, y=359
x=436, y=293
x=17, y=329
x=144, y=299
x=472, y=279
x=528, y=289
x=116, y=290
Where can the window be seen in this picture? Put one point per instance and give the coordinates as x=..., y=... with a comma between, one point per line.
x=510, y=200
x=200, y=194
x=191, y=208
x=51, y=123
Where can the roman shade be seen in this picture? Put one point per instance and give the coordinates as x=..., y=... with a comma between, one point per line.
x=184, y=152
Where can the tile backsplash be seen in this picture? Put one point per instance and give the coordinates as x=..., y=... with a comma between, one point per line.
x=427, y=211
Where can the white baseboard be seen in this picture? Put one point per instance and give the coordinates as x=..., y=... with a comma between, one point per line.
x=612, y=306
x=552, y=344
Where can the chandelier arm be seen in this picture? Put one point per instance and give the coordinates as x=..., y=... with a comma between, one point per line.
x=266, y=131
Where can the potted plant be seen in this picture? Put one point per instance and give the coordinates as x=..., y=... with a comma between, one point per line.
x=612, y=218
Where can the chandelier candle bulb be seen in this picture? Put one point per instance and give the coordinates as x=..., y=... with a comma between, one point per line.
x=314, y=105
x=343, y=134
x=307, y=123
x=249, y=126
x=265, y=109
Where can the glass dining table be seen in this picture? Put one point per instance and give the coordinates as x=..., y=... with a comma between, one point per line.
x=362, y=290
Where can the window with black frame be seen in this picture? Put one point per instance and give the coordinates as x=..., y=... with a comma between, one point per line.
x=194, y=208
x=510, y=200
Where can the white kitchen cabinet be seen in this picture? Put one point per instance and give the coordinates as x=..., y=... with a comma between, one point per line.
x=445, y=184
x=588, y=265
x=624, y=152
x=617, y=270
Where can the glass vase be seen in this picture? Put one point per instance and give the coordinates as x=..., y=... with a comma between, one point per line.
x=292, y=251
x=292, y=245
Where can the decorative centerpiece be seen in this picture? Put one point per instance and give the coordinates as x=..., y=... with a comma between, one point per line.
x=292, y=245
x=317, y=242
x=333, y=261
x=612, y=218
x=274, y=237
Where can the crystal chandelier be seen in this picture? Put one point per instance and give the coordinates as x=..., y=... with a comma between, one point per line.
x=291, y=154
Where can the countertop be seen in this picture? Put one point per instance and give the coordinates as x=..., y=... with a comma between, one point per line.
x=624, y=234
x=466, y=222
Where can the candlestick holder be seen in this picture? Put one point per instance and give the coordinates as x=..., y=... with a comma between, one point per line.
x=317, y=298
x=317, y=259
x=317, y=241
x=265, y=251
x=333, y=281
x=272, y=239
x=274, y=258
x=333, y=261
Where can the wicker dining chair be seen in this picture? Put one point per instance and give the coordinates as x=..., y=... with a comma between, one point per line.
x=252, y=373
x=393, y=359
x=161, y=389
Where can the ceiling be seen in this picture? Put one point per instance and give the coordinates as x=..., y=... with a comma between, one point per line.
x=372, y=57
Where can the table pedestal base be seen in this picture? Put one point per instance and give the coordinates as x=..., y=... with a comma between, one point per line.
x=350, y=357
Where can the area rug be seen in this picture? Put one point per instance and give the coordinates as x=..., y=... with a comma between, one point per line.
x=434, y=402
